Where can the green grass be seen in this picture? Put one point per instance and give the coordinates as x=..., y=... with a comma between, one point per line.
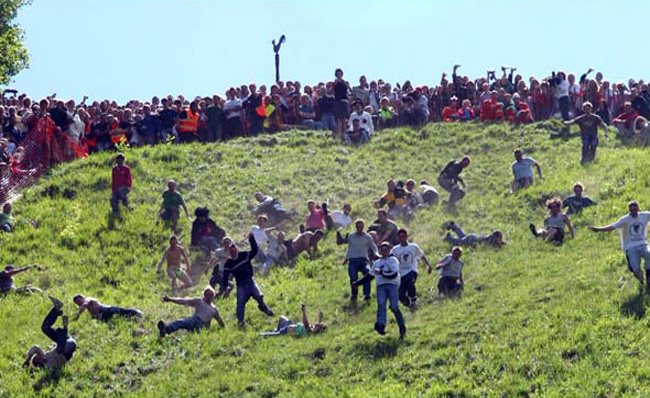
x=536, y=320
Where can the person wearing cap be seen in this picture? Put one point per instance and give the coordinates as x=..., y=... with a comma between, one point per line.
x=450, y=113
x=522, y=169
x=206, y=234
x=121, y=184
x=65, y=345
x=450, y=177
x=588, y=123
x=7, y=280
x=239, y=265
x=365, y=119
x=626, y=121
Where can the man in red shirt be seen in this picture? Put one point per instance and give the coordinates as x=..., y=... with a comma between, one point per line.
x=121, y=184
x=450, y=113
x=625, y=122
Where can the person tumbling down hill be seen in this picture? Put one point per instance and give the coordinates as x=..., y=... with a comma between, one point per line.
x=394, y=198
x=298, y=329
x=339, y=219
x=633, y=230
x=7, y=280
x=239, y=265
x=173, y=254
x=463, y=239
x=428, y=193
x=65, y=345
x=450, y=178
x=204, y=312
x=383, y=229
x=451, y=282
x=315, y=219
x=221, y=255
x=554, y=224
x=271, y=207
x=102, y=312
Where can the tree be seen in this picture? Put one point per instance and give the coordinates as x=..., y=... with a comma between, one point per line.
x=13, y=56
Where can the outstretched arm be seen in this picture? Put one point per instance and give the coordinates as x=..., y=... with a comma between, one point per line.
x=340, y=240
x=568, y=224
x=539, y=170
x=82, y=308
x=428, y=265
x=305, y=319
x=219, y=319
x=602, y=229
x=178, y=300
x=17, y=270
x=187, y=260
x=162, y=260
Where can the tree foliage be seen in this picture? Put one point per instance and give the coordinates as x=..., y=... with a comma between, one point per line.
x=13, y=56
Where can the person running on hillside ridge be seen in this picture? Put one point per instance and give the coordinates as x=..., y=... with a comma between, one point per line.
x=204, y=312
x=173, y=254
x=633, y=230
x=102, y=312
x=170, y=207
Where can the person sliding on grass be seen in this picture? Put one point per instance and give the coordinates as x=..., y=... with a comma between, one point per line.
x=121, y=184
x=7, y=280
x=494, y=239
x=554, y=223
x=65, y=345
x=633, y=230
x=204, y=311
x=206, y=234
x=100, y=311
x=360, y=247
x=450, y=177
x=173, y=255
x=451, y=282
x=408, y=254
x=522, y=169
x=577, y=202
x=298, y=329
x=386, y=273
x=170, y=207
x=239, y=265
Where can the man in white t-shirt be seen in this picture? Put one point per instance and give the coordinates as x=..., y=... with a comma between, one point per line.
x=408, y=254
x=259, y=233
x=633, y=230
x=522, y=169
x=339, y=219
x=562, y=93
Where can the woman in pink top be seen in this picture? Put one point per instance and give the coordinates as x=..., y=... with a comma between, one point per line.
x=316, y=217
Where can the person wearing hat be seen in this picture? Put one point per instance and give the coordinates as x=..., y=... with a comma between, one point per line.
x=450, y=113
x=588, y=123
x=365, y=119
x=7, y=281
x=65, y=345
x=121, y=184
x=206, y=234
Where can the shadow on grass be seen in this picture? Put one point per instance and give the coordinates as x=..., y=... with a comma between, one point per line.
x=49, y=377
x=635, y=306
x=377, y=349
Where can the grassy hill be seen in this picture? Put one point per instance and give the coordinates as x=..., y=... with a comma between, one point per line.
x=536, y=320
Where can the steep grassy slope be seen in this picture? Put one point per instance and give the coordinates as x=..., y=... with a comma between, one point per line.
x=536, y=320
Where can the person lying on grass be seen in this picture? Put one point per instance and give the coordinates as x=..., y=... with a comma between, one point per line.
x=7, y=280
x=204, y=312
x=494, y=239
x=173, y=255
x=102, y=312
x=298, y=329
x=554, y=223
x=451, y=282
x=65, y=345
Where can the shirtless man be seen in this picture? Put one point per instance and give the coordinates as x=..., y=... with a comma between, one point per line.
x=100, y=311
x=306, y=241
x=173, y=256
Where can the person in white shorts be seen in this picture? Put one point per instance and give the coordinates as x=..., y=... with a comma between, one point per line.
x=632, y=228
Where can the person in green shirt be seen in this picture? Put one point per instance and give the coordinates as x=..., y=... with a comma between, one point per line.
x=6, y=220
x=170, y=207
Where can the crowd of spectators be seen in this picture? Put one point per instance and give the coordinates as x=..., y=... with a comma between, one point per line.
x=51, y=130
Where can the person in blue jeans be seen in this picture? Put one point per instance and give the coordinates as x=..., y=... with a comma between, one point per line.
x=589, y=123
x=65, y=345
x=360, y=247
x=239, y=265
x=204, y=312
x=386, y=273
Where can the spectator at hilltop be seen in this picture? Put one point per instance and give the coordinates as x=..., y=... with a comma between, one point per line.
x=341, y=106
x=365, y=119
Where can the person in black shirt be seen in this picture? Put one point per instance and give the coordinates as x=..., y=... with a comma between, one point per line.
x=326, y=107
x=589, y=123
x=639, y=103
x=450, y=177
x=577, y=202
x=167, y=120
x=239, y=265
x=251, y=104
x=341, y=105
x=60, y=116
x=216, y=118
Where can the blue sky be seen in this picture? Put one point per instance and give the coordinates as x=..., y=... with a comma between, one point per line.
x=135, y=49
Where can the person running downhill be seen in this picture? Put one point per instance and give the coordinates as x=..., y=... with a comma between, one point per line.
x=173, y=254
x=204, y=312
x=554, y=223
x=589, y=123
x=360, y=247
x=633, y=230
x=523, y=171
x=121, y=184
x=450, y=177
x=102, y=312
x=451, y=282
x=171, y=205
x=239, y=265
x=408, y=254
